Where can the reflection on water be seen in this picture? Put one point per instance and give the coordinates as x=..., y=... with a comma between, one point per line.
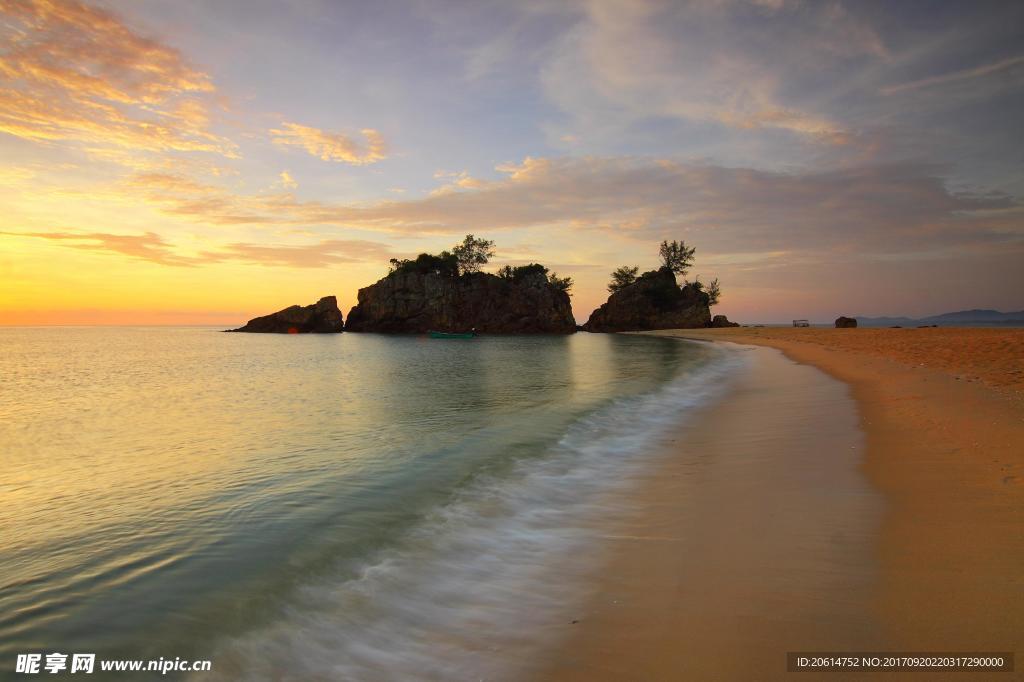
x=174, y=492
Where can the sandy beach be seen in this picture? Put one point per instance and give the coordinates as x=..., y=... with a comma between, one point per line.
x=901, y=529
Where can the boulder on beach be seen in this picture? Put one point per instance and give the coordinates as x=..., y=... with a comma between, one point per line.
x=653, y=301
x=843, y=322
x=322, y=317
x=722, y=321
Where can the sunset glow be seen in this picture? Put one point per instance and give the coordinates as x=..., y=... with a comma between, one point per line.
x=203, y=163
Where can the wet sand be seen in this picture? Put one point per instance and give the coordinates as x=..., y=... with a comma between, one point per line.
x=753, y=537
x=746, y=545
x=990, y=356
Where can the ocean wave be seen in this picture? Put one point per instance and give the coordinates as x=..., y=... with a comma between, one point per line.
x=486, y=580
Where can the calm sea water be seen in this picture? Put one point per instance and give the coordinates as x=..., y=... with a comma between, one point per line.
x=317, y=507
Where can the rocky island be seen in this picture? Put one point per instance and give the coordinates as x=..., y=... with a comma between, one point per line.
x=322, y=317
x=654, y=300
x=447, y=292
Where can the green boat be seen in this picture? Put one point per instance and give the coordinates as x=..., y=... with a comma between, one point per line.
x=452, y=335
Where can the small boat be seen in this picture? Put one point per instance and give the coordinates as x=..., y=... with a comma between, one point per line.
x=452, y=335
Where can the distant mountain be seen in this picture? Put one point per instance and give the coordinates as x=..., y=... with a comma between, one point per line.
x=977, y=315
x=960, y=317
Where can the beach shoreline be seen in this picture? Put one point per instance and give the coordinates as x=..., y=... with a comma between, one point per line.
x=940, y=570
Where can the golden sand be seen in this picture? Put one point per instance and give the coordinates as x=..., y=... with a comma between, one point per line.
x=994, y=357
x=943, y=423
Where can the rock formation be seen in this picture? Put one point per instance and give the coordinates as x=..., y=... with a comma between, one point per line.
x=722, y=321
x=323, y=317
x=845, y=322
x=653, y=301
x=416, y=302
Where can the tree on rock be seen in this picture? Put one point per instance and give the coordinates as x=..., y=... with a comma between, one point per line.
x=472, y=254
x=444, y=263
x=676, y=256
x=714, y=292
x=623, y=277
x=560, y=283
x=520, y=273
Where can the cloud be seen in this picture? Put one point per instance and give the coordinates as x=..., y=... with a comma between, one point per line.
x=180, y=195
x=871, y=209
x=894, y=207
x=287, y=181
x=152, y=248
x=743, y=67
x=961, y=75
x=76, y=74
x=330, y=146
x=14, y=175
x=148, y=247
x=321, y=254
x=456, y=181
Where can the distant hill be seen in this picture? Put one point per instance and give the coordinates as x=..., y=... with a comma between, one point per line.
x=961, y=317
x=977, y=315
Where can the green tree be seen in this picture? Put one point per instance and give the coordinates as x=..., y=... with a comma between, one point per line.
x=676, y=256
x=623, y=277
x=472, y=254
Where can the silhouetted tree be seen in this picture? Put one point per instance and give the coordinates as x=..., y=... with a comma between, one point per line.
x=560, y=283
x=676, y=256
x=713, y=291
x=426, y=263
x=518, y=273
x=472, y=254
x=623, y=277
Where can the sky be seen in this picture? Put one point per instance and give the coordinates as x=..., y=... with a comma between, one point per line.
x=197, y=162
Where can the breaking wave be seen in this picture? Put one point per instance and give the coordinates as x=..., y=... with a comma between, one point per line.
x=487, y=580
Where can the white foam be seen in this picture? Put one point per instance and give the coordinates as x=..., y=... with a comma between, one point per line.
x=478, y=588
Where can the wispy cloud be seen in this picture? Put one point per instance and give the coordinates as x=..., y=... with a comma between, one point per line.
x=772, y=134
x=456, y=181
x=148, y=247
x=153, y=248
x=13, y=175
x=731, y=64
x=75, y=73
x=888, y=207
x=287, y=181
x=319, y=255
x=330, y=146
x=954, y=76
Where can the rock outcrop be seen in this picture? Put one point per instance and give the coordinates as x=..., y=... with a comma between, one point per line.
x=653, y=301
x=416, y=302
x=722, y=321
x=323, y=317
x=845, y=322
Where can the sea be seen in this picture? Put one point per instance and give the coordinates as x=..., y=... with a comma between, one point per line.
x=320, y=507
